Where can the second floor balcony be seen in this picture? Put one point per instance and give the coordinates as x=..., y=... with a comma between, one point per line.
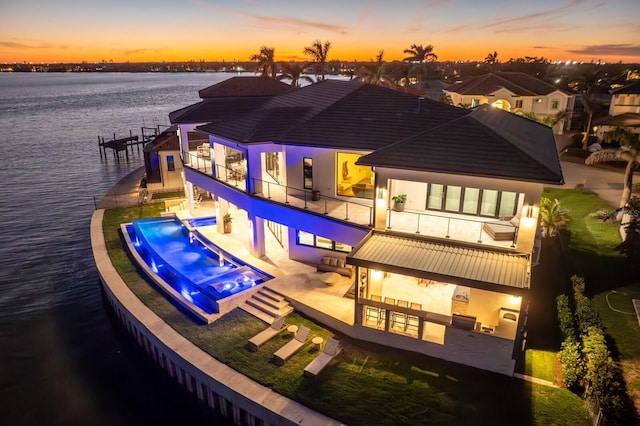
x=360, y=212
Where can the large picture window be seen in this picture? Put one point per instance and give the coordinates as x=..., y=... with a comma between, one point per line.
x=353, y=180
x=307, y=172
x=311, y=240
x=471, y=201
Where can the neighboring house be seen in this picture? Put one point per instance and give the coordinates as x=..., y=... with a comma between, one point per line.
x=515, y=92
x=624, y=110
x=434, y=89
x=318, y=166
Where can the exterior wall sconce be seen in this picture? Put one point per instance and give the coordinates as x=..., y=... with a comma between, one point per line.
x=527, y=211
x=376, y=275
x=381, y=197
x=528, y=214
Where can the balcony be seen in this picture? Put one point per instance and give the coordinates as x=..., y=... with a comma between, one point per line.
x=451, y=226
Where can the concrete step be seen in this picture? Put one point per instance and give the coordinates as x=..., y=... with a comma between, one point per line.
x=275, y=295
x=256, y=303
x=268, y=293
x=258, y=313
x=268, y=300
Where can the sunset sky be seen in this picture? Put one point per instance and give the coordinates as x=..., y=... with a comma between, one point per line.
x=213, y=30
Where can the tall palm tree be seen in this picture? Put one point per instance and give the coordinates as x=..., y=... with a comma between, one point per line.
x=374, y=73
x=266, y=62
x=629, y=151
x=419, y=55
x=492, y=61
x=319, y=53
x=293, y=71
x=587, y=84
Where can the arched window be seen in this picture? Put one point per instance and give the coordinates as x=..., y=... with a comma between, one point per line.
x=502, y=104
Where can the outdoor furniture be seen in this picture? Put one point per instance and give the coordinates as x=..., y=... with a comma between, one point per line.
x=334, y=264
x=292, y=329
x=502, y=230
x=317, y=342
x=293, y=346
x=267, y=334
x=331, y=350
x=400, y=317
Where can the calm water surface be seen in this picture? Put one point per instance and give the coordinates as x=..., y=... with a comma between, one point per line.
x=63, y=358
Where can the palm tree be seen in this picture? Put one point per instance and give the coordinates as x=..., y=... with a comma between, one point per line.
x=630, y=247
x=492, y=61
x=629, y=151
x=293, y=71
x=587, y=84
x=418, y=55
x=551, y=216
x=374, y=73
x=319, y=52
x=266, y=62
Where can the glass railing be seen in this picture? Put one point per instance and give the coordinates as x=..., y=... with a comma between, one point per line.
x=348, y=211
x=453, y=227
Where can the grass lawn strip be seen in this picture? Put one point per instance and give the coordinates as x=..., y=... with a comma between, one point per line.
x=367, y=383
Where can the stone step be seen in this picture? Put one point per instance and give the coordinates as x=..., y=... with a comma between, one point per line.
x=272, y=293
x=268, y=300
x=256, y=303
x=258, y=313
x=267, y=293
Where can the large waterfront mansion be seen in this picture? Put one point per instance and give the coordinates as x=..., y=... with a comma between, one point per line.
x=446, y=273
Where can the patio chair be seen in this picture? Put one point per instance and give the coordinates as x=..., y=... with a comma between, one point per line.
x=267, y=334
x=331, y=349
x=287, y=351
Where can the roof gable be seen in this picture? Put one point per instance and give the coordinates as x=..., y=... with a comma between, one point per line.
x=518, y=83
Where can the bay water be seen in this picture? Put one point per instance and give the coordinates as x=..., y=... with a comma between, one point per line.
x=64, y=360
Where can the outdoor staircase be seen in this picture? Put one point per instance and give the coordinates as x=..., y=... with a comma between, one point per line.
x=267, y=304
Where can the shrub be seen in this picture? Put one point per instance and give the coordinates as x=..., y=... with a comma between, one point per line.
x=572, y=363
x=602, y=372
x=565, y=317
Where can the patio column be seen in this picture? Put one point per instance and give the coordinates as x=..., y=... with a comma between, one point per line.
x=256, y=237
x=381, y=202
x=254, y=171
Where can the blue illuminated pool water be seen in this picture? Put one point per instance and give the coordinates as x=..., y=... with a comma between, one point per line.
x=192, y=268
x=201, y=221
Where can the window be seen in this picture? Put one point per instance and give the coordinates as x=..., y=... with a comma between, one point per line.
x=353, y=180
x=311, y=240
x=475, y=103
x=519, y=103
x=434, y=198
x=171, y=165
x=508, y=204
x=307, y=172
x=452, y=198
x=277, y=231
x=554, y=104
x=273, y=165
x=489, y=203
x=471, y=201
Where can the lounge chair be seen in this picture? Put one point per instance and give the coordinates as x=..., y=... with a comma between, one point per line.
x=293, y=346
x=267, y=334
x=331, y=349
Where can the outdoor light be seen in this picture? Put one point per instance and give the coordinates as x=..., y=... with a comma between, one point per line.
x=381, y=197
x=515, y=300
x=528, y=210
x=376, y=275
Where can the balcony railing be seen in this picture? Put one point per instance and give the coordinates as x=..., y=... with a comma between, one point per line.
x=348, y=211
x=446, y=226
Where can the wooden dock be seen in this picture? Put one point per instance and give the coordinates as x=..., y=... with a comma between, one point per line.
x=118, y=145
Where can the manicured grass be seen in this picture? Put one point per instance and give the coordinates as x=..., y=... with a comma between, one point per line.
x=367, y=384
x=169, y=194
x=541, y=364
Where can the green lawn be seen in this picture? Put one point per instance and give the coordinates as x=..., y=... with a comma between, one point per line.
x=369, y=384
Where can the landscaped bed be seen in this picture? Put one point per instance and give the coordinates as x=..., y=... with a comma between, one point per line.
x=367, y=384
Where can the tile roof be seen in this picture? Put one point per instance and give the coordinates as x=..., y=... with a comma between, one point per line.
x=480, y=266
x=339, y=114
x=245, y=86
x=215, y=109
x=487, y=142
x=518, y=83
x=403, y=130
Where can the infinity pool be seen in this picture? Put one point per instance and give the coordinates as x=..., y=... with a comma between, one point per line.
x=201, y=273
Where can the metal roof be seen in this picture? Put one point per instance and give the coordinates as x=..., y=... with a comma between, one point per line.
x=478, y=266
